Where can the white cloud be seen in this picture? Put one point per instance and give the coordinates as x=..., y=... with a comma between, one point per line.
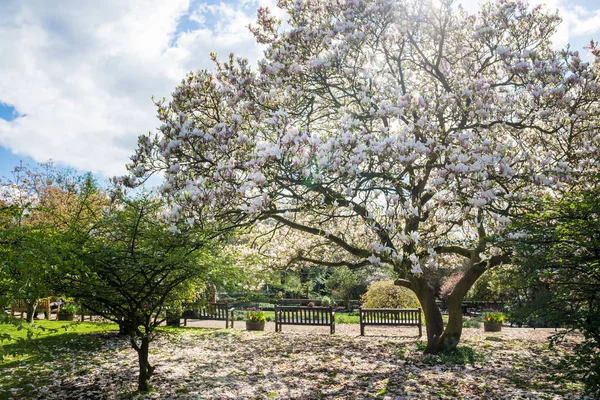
x=84, y=72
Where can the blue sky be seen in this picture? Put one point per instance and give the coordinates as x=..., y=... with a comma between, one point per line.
x=78, y=75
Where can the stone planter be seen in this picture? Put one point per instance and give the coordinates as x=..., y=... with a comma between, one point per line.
x=66, y=316
x=492, y=326
x=255, y=325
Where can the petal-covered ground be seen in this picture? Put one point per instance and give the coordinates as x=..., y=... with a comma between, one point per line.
x=301, y=364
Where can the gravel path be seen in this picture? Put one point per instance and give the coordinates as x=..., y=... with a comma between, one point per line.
x=353, y=330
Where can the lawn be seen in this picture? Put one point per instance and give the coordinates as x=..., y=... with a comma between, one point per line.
x=92, y=361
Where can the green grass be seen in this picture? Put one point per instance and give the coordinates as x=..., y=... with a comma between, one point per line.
x=45, y=335
x=49, y=344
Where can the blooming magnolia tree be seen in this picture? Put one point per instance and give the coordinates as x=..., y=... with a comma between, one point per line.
x=397, y=133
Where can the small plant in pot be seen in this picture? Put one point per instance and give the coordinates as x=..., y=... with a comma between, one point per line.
x=492, y=321
x=67, y=312
x=255, y=320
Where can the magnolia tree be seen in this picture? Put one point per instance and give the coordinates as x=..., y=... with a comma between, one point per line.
x=399, y=133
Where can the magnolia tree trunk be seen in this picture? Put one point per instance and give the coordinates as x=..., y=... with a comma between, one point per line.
x=433, y=317
x=440, y=338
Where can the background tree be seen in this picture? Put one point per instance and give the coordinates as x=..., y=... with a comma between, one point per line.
x=399, y=133
x=558, y=248
x=37, y=204
x=344, y=283
x=133, y=264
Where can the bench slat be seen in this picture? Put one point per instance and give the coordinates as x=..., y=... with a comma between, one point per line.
x=310, y=316
x=212, y=311
x=390, y=317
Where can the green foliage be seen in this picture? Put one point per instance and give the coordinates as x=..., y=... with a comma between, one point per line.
x=346, y=318
x=134, y=267
x=37, y=206
x=557, y=248
x=471, y=323
x=133, y=264
x=495, y=317
x=256, y=316
x=326, y=301
x=387, y=295
x=68, y=308
x=343, y=282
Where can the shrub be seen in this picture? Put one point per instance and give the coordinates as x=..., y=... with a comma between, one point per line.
x=471, y=323
x=325, y=301
x=387, y=295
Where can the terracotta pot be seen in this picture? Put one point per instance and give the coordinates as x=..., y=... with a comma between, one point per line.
x=255, y=325
x=66, y=316
x=492, y=326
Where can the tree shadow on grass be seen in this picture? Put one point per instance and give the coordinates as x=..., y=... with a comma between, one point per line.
x=41, y=361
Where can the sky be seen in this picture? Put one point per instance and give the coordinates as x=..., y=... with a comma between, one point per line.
x=77, y=76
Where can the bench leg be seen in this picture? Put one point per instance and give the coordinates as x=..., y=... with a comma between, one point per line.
x=420, y=330
x=185, y=322
x=362, y=330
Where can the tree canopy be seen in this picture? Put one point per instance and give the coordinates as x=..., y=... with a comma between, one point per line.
x=558, y=249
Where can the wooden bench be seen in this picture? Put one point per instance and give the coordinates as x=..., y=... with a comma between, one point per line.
x=211, y=311
x=19, y=306
x=390, y=317
x=311, y=316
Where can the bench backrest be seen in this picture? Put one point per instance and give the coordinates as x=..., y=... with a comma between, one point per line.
x=304, y=315
x=20, y=305
x=219, y=311
x=390, y=316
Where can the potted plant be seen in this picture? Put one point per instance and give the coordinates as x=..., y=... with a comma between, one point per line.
x=67, y=312
x=255, y=320
x=492, y=321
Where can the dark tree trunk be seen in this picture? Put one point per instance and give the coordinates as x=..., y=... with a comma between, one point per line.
x=146, y=370
x=453, y=331
x=440, y=338
x=31, y=306
x=433, y=317
x=126, y=328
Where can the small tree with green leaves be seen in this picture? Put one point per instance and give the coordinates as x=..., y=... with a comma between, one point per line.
x=133, y=264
